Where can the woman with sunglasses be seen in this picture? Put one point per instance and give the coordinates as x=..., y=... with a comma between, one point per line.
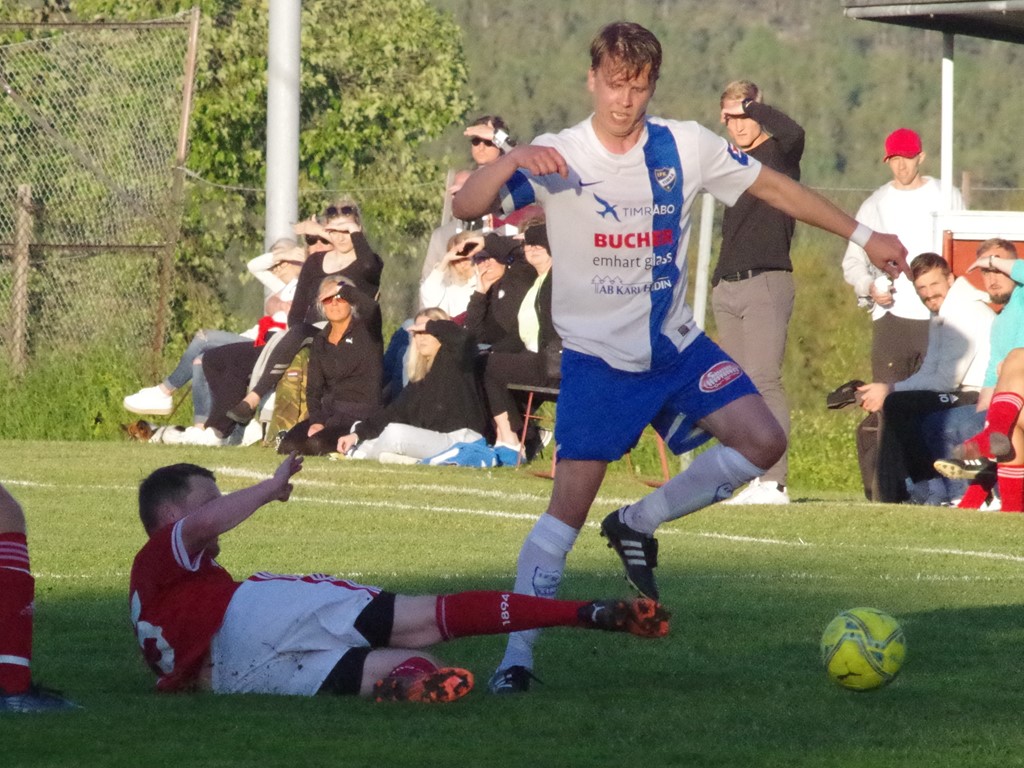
x=489, y=138
x=441, y=405
x=344, y=375
x=337, y=247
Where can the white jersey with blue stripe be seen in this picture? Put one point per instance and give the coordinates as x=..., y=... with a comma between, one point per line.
x=619, y=226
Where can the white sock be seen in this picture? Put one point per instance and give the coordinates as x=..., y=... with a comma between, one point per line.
x=538, y=572
x=711, y=477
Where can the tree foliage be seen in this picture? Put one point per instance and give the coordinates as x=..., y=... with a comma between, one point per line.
x=378, y=78
x=848, y=82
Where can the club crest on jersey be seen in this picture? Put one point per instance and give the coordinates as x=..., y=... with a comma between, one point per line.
x=739, y=155
x=666, y=178
x=719, y=375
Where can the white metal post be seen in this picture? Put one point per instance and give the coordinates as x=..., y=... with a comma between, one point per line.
x=282, y=120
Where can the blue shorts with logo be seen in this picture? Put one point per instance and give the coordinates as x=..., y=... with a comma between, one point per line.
x=602, y=411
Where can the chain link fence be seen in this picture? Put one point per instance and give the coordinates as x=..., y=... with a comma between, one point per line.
x=91, y=116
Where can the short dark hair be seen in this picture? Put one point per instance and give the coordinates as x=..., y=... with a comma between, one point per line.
x=631, y=45
x=495, y=121
x=171, y=483
x=926, y=262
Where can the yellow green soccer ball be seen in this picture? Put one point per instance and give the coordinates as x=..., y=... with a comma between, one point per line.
x=863, y=648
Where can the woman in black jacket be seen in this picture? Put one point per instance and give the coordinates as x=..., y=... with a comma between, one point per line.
x=343, y=381
x=439, y=407
x=337, y=247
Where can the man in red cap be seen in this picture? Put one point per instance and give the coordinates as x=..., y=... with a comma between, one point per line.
x=903, y=207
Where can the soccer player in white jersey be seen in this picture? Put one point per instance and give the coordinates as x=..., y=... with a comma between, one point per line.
x=617, y=190
x=301, y=635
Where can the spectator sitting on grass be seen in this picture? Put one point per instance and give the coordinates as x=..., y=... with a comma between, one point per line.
x=337, y=247
x=343, y=382
x=440, y=406
x=278, y=270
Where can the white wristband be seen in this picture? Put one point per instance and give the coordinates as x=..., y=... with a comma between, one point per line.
x=500, y=139
x=861, y=235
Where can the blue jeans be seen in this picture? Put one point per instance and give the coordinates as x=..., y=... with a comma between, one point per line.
x=190, y=368
x=943, y=431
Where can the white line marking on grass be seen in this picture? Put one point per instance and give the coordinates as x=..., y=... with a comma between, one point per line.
x=962, y=553
x=428, y=487
x=526, y=516
x=28, y=483
x=420, y=508
x=80, y=576
x=930, y=577
x=735, y=537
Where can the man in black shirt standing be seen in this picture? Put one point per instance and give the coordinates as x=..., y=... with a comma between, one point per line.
x=752, y=297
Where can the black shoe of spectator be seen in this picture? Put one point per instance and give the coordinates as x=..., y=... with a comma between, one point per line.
x=242, y=413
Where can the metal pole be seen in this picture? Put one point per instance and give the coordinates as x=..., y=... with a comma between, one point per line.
x=172, y=221
x=282, y=120
x=700, y=287
x=946, y=167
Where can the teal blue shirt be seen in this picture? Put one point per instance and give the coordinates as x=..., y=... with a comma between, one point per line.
x=1008, y=327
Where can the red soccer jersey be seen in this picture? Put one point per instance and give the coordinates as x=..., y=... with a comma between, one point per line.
x=177, y=603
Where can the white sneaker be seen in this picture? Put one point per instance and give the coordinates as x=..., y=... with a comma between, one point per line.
x=200, y=436
x=758, y=492
x=253, y=432
x=991, y=504
x=386, y=457
x=150, y=401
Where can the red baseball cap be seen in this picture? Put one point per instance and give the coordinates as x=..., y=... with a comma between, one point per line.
x=902, y=142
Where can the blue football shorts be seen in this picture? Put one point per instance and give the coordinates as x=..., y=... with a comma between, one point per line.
x=602, y=411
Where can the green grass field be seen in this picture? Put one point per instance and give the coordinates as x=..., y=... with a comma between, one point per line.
x=737, y=683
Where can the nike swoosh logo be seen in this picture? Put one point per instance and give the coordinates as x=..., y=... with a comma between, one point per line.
x=583, y=183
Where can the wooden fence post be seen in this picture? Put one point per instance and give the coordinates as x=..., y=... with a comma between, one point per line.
x=23, y=227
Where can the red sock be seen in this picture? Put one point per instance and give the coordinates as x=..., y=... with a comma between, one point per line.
x=493, y=613
x=17, y=594
x=414, y=666
x=1002, y=416
x=976, y=495
x=1011, y=487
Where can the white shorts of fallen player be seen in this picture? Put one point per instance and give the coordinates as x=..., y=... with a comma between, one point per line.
x=284, y=634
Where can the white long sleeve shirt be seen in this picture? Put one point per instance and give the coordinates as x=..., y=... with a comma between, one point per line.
x=958, y=343
x=908, y=214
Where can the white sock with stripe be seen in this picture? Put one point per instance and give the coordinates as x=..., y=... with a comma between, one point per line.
x=711, y=477
x=538, y=572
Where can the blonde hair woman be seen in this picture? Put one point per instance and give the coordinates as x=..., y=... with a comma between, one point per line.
x=441, y=405
x=452, y=281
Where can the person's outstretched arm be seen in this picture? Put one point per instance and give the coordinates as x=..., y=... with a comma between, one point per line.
x=475, y=197
x=778, y=190
x=202, y=527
